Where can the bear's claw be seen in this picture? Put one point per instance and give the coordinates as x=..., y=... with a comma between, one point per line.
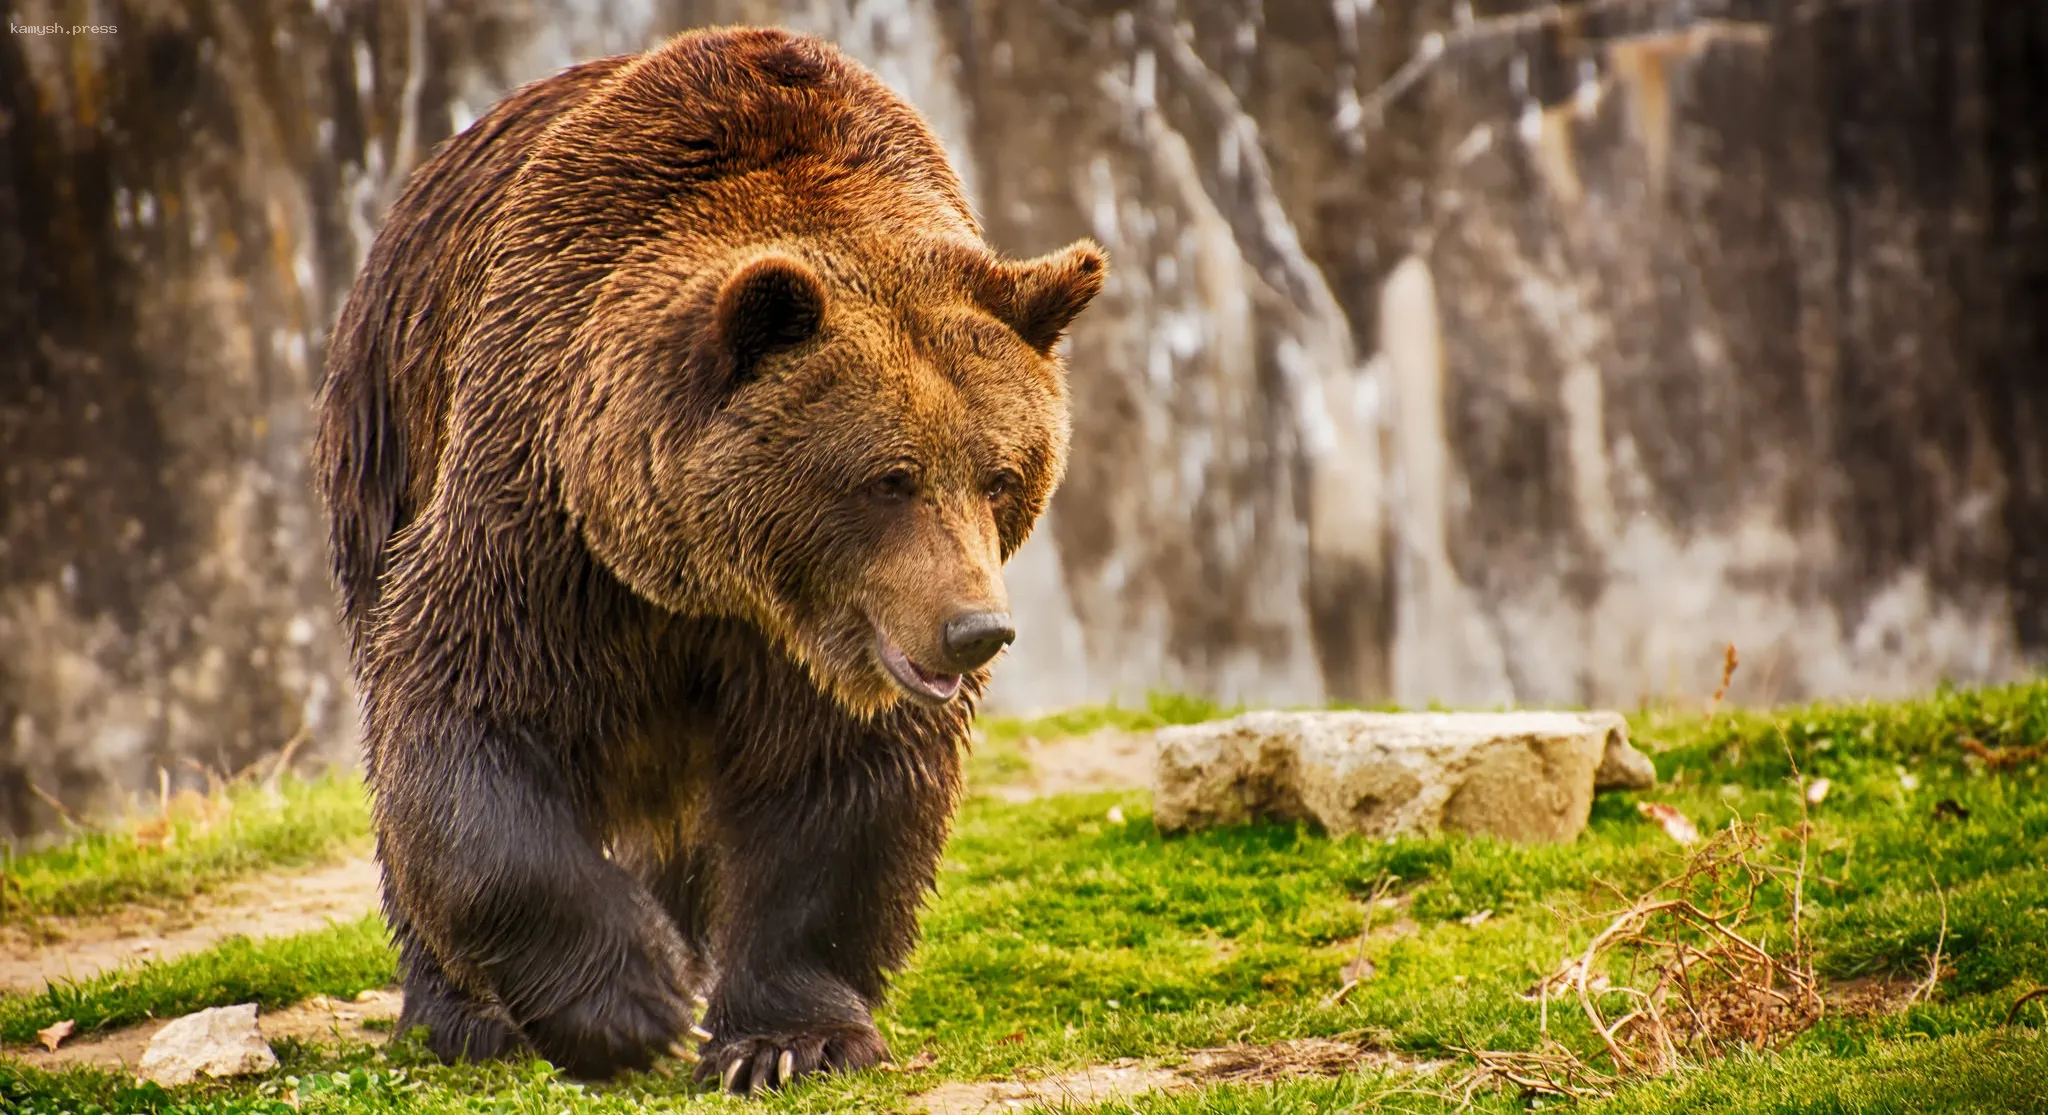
x=771, y=1062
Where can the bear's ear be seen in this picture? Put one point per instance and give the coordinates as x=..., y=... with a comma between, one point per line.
x=1040, y=297
x=771, y=302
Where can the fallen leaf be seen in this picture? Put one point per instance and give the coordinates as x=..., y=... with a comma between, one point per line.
x=1358, y=970
x=1471, y=920
x=925, y=1059
x=1676, y=825
x=1011, y=1039
x=1817, y=791
x=53, y=1036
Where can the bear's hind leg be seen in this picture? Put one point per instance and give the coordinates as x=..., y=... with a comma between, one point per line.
x=460, y=1027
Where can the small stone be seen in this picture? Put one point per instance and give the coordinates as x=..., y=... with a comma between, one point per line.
x=218, y=1042
x=1622, y=767
x=1524, y=776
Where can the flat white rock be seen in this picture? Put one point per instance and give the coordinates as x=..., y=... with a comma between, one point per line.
x=1524, y=776
x=217, y=1042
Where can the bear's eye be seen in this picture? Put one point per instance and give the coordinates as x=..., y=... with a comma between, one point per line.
x=895, y=486
x=1000, y=485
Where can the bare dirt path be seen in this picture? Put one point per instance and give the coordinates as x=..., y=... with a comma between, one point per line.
x=1107, y=760
x=277, y=904
x=318, y=1020
x=1125, y=1079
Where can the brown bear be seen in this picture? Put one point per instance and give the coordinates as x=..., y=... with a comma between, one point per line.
x=673, y=438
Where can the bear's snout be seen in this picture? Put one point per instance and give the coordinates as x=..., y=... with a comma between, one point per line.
x=972, y=638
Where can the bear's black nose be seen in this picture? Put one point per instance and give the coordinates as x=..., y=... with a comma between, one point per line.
x=971, y=639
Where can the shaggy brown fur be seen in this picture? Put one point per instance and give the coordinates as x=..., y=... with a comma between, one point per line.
x=673, y=440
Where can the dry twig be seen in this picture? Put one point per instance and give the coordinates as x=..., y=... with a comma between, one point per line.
x=1999, y=758
x=2013, y=1015
x=1805, y=831
x=1359, y=964
x=1550, y=1071
x=1925, y=989
x=1728, y=663
x=63, y=814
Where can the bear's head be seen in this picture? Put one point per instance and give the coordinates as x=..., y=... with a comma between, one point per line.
x=839, y=442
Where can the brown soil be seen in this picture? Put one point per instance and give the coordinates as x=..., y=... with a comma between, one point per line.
x=1126, y=1078
x=1107, y=760
x=318, y=1020
x=1869, y=996
x=1122, y=1079
x=271, y=905
x=1281, y=1060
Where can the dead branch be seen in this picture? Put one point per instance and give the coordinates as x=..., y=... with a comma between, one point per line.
x=1999, y=758
x=63, y=814
x=1358, y=964
x=1695, y=980
x=1552, y=1070
x=1805, y=830
x=2013, y=1015
x=1926, y=986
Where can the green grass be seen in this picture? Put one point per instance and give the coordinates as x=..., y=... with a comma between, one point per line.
x=243, y=828
x=1060, y=938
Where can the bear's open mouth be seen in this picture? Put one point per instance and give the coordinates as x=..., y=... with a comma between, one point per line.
x=914, y=679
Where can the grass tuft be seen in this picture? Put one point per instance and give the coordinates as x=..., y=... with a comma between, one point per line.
x=195, y=844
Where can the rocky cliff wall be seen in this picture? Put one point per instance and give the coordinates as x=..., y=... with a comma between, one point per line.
x=1477, y=352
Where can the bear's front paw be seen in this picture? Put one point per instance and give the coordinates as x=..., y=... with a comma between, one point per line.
x=762, y=1062
x=628, y=1021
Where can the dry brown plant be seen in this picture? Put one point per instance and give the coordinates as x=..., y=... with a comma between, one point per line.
x=1679, y=975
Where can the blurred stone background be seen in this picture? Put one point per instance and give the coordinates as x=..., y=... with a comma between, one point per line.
x=1481, y=352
